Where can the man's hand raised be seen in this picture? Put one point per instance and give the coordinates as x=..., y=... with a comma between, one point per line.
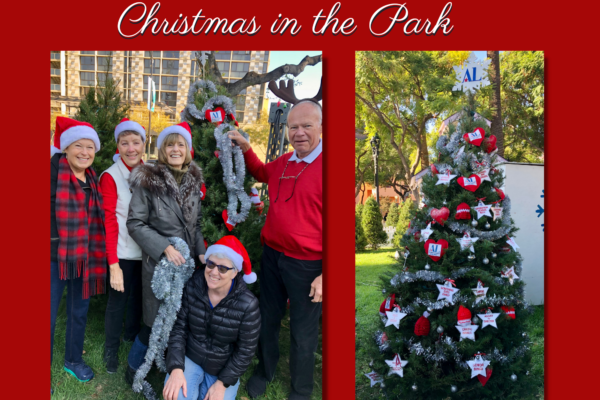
x=239, y=140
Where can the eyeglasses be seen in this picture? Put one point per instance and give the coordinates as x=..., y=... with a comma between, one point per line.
x=222, y=269
x=288, y=177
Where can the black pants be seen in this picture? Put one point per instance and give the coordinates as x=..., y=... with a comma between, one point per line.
x=131, y=300
x=283, y=277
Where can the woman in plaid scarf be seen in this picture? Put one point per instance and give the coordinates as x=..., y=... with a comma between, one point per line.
x=78, y=256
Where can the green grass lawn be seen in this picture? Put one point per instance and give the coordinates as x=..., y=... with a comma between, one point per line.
x=113, y=386
x=369, y=266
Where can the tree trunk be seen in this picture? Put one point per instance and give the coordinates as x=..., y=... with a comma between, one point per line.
x=495, y=102
x=424, y=152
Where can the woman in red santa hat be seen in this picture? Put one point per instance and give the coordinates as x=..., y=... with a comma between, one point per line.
x=122, y=252
x=77, y=251
x=165, y=203
x=216, y=333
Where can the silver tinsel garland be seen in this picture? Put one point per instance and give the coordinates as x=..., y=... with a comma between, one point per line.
x=167, y=284
x=220, y=100
x=233, y=182
x=190, y=109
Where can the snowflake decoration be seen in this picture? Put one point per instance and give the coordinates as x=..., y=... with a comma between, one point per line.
x=472, y=74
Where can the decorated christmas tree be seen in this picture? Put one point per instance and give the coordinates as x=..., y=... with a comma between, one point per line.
x=453, y=313
x=227, y=209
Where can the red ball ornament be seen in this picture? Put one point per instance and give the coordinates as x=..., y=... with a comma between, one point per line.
x=490, y=142
x=464, y=316
x=509, y=311
x=463, y=211
x=422, y=326
x=440, y=215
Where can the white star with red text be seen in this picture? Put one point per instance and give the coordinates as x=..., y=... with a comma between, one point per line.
x=446, y=292
x=394, y=318
x=396, y=366
x=482, y=209
x=480, y=292
x=374, y=377
x=513, y=244
x=467, y=331
x=467, y=242
x=425, y=233
x=510, y=274
x=478, y=366
x=445, y=178
x=489, y=318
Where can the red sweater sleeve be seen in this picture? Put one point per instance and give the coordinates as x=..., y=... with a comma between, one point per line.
x=109, y=194
x=259, y=170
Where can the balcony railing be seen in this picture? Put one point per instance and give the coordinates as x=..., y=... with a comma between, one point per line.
x=55, y=71
x=54, y=87
x=55, y=56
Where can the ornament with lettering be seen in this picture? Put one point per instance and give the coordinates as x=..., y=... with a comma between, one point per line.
x=374, y=377
x=216, y=116
x=441, y=215
x=478, y=366
x=489, y=318
x=483, y=379
x=497, y=212
x=512, y=243
x=472, y=74
x=463, y=211
x=396, y=365
x=423, y=326
x=467, y=331
x=509, y=274
x=467, y=242
x=476, y=137
x=509, y=311
x=394, y=317
x=471, y=183
x=484, y=175
x=464, y=316
x=480, y=292
x=425, y=233
x=483, y=210
x=447, y=291
x=445, y=178
x=489, y=144
x=387, y=305
x=435, y=250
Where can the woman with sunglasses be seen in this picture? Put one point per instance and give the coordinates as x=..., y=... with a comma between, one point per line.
x=216, y=333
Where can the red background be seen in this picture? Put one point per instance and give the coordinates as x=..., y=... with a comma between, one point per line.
x=564, y=33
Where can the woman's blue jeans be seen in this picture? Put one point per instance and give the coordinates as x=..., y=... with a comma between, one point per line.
x=198, y=383
x=77, y=309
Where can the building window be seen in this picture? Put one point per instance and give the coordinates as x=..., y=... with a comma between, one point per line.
x=148, y=64
x=266, y=58
x=155, y=78
x=223, y=55
x=170, y=67
x=87, y=79
x=84, y=91
x=55, y=55
x=105, y=53
x=169, y=83
x=241, y=55
x=170, y=54
x=239, y=70
x=88, y=52
x=265, y=67
x=104, y=64
x=102, y=77
x=169, y=99
x=155, y=54
x=223, y=67
x=88, y=63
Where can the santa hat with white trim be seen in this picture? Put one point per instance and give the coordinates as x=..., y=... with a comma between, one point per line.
x=182, y=128
x=127, y=125
x=69, y=131
x=234, y=250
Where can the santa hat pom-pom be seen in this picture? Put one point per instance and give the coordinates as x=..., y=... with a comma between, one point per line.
x=422, y=326
x=250, y=278
x=54, y=150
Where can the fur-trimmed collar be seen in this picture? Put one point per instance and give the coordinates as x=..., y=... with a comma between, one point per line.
x=160, y=182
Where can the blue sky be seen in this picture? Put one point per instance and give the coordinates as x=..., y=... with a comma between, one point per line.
x=310, y=77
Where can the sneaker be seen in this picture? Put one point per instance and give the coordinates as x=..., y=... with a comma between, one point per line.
x=111, y=360
x=129, y=375
x=81, y=371
x=256, y=386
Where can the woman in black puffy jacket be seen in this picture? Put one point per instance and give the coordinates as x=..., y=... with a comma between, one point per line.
x=216, y=333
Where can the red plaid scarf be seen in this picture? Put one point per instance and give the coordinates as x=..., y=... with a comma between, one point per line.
x=80, y=254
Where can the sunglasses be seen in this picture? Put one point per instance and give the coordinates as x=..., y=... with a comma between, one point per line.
x=222, y=269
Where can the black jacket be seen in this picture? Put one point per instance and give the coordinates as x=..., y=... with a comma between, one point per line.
x=221, y=340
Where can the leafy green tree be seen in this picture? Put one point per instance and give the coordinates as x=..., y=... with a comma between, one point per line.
x=360, y=240
x=406, y=211
x=102, y=108
x=393, y=214
x=372, y=225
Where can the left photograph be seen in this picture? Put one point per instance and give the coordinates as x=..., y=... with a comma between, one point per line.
x=186, y=224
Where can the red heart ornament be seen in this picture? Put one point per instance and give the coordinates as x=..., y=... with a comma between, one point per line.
x=484, y=380
x=490, y=142
x=471, y=183
x=433, y=251
x=216, y=116
x=476, y=137
x=440, y=215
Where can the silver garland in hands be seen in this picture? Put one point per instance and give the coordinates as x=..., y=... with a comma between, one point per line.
x=233, y=181
x=167, y=284
x=190, y=109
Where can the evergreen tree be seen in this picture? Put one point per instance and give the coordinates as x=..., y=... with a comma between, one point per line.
x=102, y=108
x=405, y=213
x=392, y=217
x=438, y=357
x=359, y=233
x=372, y=225
x=216, y=200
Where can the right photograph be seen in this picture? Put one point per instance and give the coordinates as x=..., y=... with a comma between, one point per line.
x=449, y=220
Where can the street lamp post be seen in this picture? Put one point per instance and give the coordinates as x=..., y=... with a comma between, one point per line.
x=375, y=147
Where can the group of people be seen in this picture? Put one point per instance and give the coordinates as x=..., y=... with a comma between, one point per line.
x=119, y=225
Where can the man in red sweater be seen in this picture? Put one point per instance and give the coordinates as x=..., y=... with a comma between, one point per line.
x=291, y=264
